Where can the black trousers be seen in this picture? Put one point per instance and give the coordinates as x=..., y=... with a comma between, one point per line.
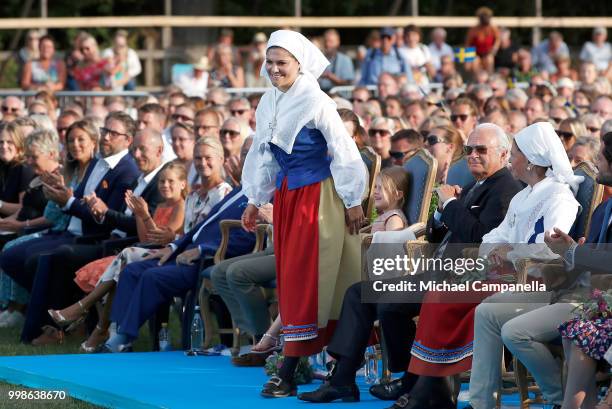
x=53, y=284
x=356, y=322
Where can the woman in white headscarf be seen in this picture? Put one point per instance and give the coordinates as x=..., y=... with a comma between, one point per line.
x=449, y=335
x=304, y=157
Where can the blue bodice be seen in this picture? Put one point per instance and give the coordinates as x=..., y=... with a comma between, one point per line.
x=308, y=162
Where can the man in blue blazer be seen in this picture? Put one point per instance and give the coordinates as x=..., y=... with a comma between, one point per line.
x=54, y=285
x=146, y=285
x=108, y=178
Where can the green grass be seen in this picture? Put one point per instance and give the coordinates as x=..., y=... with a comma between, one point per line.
x=10, y=346
x=67, y=403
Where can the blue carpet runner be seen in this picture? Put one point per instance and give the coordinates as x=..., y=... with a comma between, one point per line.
x=161, y=380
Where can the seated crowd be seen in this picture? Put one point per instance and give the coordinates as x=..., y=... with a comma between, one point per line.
x=111, y=210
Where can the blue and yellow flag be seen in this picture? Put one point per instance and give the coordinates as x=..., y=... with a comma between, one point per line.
x=465, y=54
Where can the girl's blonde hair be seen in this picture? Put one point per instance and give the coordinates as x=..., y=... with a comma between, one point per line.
x=181, y=173
x=394, y=181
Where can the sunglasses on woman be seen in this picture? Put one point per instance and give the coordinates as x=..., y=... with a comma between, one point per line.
x=431, y=140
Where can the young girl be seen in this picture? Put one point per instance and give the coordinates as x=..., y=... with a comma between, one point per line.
x=389, y=191
x=99, y=277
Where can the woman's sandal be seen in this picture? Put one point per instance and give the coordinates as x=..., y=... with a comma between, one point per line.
x=90, y=350
x=63, y=322
x=276, y=346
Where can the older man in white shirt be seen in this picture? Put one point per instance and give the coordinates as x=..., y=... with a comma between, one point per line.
x=438, y=47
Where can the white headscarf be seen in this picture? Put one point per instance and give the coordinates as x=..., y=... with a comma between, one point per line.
x=311, y=59
x=542, y=147
x=281, y=115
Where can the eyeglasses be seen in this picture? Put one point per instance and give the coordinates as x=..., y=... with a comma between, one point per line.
x=181, y=118
x=361, y=101
x=9, y=109
x=382, y=132
x=565, y=135
x=204, y=127
x=462, y=117
x=480, y=149
x=431, y=140
x=238, y=111
x=402, y=155
x=113, y=134
x=593, y=129
x=232, y=134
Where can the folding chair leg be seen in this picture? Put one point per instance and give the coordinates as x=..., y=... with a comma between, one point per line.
x=209, y=328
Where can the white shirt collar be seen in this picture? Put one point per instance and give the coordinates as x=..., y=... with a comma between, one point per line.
x=541, y=184
x=149, y=176
x=113, y=160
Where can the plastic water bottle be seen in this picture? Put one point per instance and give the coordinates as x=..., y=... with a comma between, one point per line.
x=164, y=338
x=371, y=366
x=197, y=332
x=318, y=363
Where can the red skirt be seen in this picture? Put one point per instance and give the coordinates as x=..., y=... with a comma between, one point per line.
x=311, y=252
x=444, y=339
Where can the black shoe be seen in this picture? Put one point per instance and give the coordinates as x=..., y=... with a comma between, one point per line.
x=389, y=391
x=277, y=388
x=329, y=393
x=404, y=402
x=407, y=402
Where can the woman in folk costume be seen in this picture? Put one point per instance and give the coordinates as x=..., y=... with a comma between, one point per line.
x=444, y=340
x=304, y=157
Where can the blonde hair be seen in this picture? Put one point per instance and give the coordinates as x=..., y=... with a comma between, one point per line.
x=577, y=126
x=394, y=180
x=181, y=173
x=213, y=144
x=14, y=130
